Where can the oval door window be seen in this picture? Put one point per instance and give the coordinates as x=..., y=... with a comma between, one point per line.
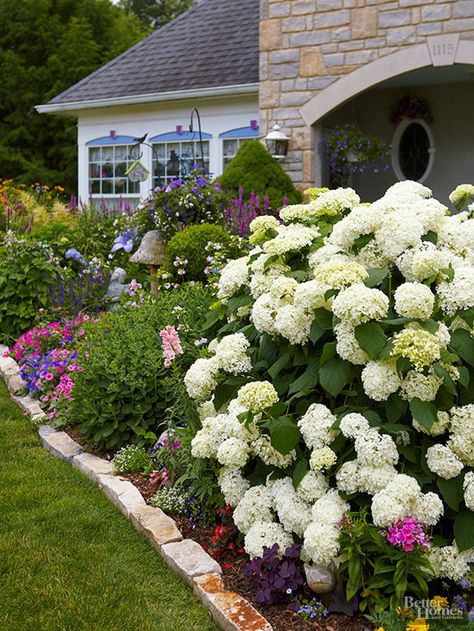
x=413, y=150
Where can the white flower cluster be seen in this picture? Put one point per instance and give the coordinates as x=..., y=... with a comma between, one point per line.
x=402, y=497
x=376, y=453
x=448, y=562
x=321, y=537
x=230, y=355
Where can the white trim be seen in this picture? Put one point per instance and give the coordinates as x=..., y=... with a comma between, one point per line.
x=72, y=106
x=403, y=125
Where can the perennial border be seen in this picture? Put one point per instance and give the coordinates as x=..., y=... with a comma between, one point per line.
x=184, y=556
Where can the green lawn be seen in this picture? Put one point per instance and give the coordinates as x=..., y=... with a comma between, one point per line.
x=68, y=559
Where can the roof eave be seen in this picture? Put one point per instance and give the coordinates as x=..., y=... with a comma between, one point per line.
x=136, y=99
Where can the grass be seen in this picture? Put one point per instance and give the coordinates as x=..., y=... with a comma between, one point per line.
x=68, y=559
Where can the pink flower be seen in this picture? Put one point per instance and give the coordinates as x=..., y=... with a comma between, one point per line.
x=171, y=344
x=49, y=376
x=406, y=533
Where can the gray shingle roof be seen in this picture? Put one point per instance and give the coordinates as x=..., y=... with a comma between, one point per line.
x=213, y=44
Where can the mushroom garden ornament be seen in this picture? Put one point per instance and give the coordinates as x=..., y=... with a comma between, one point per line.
x=151, y=252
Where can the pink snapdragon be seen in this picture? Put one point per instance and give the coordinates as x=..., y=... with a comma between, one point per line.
x=407, y=533
x=171, y=344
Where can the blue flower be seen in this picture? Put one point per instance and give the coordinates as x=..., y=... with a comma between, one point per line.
x=75, y=255
x=125, y=241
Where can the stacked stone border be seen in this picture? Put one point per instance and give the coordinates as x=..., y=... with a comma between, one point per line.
x=184, y=556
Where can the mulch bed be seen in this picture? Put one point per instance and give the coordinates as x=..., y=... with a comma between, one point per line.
x=233, y=564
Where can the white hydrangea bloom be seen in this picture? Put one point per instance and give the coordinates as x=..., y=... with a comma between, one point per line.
x=294, y=514
x=347, y=477
x=201, y=378
x=414, y=300
x=264, y=534
x=461, y=439
x=233, y=276
x=339, y=274
x=380, y=379
x=316, y=426
x=461, y=191
x=459, y=293
x=328, y=253
x=263, y=448
x=263, y=314
x=257, y=396
x=202, y=445
x=422, y=262
x=322, y=458
x=419, y=346
x=321, y=543
x=310, y=295
x=256, y=505
x=468, y=486
x=301, y=212
x=347, y=346
x=289, y=238
x=375, y=449
x=353, y=424
x=233, y=452
x=416, y=384
x=439, y=426
x=263, y=223
x=335, y=201
x=362, y=220
x=358, y=304
x=442, y=461
x=408, y=188
x=399, y=231
x=294, y=323
x=329, y=508
x=428, y=509
x=233, y=485
x=373, y=479
x=206, y=409
x=313, y=486
x=231, y=354
x=283, y=289
x=402, y=498
x=448, y=562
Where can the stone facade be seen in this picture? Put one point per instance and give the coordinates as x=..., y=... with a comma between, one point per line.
x=307, y=45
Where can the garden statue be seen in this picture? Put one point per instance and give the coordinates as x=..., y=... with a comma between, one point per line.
x=151, y=252
x=117, y=287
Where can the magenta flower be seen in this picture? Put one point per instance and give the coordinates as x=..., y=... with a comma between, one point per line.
x=407, y=533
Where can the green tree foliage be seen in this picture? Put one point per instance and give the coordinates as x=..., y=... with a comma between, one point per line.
x=254, y=169
x=45, y=47
x=156, y=13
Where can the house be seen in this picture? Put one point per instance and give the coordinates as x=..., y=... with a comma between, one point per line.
x=308, y=65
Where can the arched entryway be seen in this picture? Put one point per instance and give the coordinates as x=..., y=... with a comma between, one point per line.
x=440, y=151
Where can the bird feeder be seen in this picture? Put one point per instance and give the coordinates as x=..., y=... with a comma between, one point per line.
x=151, y=252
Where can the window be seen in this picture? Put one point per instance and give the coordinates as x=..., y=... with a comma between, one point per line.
x=233, y=139
x=174, y=155
x=413, y=150
x=109, y=159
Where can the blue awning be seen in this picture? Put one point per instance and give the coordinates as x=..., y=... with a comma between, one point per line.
x=241, y=132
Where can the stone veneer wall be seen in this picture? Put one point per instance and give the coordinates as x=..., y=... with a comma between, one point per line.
x=305, y=45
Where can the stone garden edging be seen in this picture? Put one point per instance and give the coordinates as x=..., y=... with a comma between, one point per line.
x=184, y=556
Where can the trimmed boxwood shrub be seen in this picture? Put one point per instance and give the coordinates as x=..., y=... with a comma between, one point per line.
x=125, y=394
x=255, y=170
x=191, y=244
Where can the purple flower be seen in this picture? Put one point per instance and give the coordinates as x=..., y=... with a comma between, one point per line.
x=125, y=241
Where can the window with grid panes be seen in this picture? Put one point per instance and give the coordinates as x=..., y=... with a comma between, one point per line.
x=173, y=159
x=108, y=165
x=230, y=148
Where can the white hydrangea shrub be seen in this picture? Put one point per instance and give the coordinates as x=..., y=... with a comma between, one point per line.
x=346, y=358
